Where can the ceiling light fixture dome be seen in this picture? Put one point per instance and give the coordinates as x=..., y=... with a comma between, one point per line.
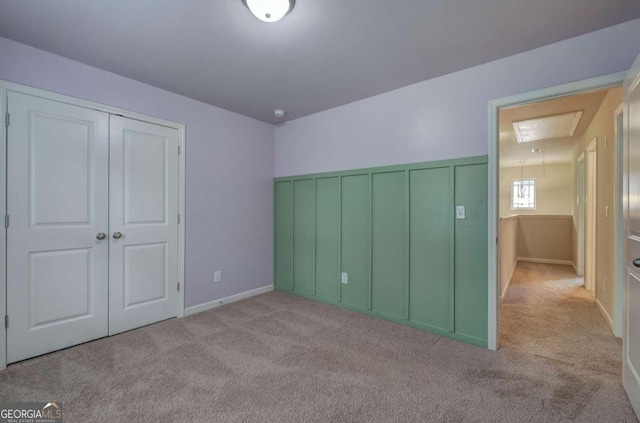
x=269, y=10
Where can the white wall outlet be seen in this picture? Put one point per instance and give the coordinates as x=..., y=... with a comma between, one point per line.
x=461, y=212
x=606, y=211
x=344, y=278
x=217, y=276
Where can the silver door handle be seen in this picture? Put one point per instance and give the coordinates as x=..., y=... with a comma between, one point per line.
x=100, y=236
x=117, y=235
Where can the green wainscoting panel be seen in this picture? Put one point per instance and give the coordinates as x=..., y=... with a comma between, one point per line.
x=393, y=231
x=304, y=229
x=389, y=237
x=431, y=241
x=471, y=252
x=283, y=235
x=328, y=238
x=356, y=240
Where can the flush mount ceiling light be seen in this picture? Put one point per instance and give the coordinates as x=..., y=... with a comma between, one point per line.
x=556, y=126
x=269, y=10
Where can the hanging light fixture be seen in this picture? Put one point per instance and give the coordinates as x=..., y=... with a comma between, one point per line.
x=269, y=10
x=521, y=188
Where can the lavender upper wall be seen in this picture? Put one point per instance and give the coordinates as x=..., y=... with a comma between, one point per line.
x=229, y=168
x=445, y=117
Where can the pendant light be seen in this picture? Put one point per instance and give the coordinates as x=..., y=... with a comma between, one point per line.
x=269, y=10
x=521, y=187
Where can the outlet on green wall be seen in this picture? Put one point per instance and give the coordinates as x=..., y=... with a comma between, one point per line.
x=393, y=231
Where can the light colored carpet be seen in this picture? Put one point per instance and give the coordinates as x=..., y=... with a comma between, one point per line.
x=548, y=312
x=280, y=358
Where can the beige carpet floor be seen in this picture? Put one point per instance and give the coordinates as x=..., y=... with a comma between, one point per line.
x=280, y=358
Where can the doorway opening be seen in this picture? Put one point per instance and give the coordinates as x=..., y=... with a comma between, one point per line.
x=494, y=289
x=555, y=249
x=557, y=203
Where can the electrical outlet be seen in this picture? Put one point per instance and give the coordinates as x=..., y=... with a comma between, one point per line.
x=606, y=211
x=461, y=212
x=344, y=278
x=217, y=276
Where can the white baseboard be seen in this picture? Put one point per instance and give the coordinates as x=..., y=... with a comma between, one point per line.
x=231, y=299
x=545, y=261
x=606, y=316
x=575, y=268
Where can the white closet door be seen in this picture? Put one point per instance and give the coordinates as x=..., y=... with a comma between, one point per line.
x=143, y=265
x=57, y=200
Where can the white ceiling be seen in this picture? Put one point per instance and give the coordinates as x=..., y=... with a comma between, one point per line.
x=324, y=54
x=557, y=150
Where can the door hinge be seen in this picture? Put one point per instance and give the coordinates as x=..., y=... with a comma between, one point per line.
x=179, y=149
x=178, y=218
x=7, y=119
x=496, y=240
x=6, y=321
x=6, y=221
x=178, y=286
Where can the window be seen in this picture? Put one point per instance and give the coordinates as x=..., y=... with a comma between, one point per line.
x=523, y=194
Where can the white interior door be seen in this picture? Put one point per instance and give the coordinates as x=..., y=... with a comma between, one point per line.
x=143, y=268
x=631, y=330
x=57, y=200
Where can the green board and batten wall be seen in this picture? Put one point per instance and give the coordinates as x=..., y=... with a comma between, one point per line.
x=393, y=231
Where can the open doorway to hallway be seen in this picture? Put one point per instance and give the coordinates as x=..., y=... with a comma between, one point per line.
x=557, y=204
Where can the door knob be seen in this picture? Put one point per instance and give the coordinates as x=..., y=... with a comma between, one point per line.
x=636, y=262
x=117, y=235
x=100, y=236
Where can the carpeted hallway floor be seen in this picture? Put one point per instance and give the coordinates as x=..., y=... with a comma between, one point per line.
x=280, y=358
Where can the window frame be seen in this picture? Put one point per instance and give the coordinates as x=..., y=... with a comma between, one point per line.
x=535, y=196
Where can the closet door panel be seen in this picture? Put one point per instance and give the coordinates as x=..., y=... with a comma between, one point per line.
x=143, y=273
x=57, y=268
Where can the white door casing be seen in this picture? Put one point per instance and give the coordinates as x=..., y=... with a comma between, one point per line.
x=57, y=202
x=143, y=263
x=631, y=328
x=590, y=203
x=580, y=212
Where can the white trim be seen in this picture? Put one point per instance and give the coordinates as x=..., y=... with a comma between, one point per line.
x=591, y=205
x=5, y=88
x=544, y=216
x=618, y=236
x=580, y=212
x=75, y=101
x=606, y=316
x=182, y=185
x=3, y=231
x=227, y=300
x=545, y=261
x=598, y=83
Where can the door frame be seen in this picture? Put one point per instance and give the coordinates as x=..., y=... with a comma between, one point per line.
x=618, y=213
x=580, y=210
x=494, y=106
x=5, y=88
x=590, y=207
